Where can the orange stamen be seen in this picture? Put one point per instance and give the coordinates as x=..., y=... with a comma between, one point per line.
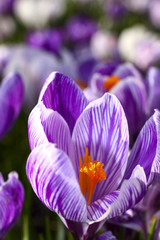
x=90, y=173
x=110, y=82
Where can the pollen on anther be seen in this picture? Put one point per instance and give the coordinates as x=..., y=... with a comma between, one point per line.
x=90, y=173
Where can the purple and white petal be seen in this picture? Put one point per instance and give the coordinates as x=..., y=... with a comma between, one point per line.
x=103, y=129
x=11, y=202
x=130, y=193
x=132, y=95
x=61, y=94
x=46, y=125
x=11, y=98
x=153, y=89
x=106, y=236
x=145, y=150
x=126, y=70
x=53, y=179
x=155, y=168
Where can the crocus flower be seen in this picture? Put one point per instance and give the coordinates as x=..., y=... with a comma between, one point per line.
x=11, y=202
x=124, y=81
x=79, y=165
x=48, y=39
x=80, y=29
x=11, y=98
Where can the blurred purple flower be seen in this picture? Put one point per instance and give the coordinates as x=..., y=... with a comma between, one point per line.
x=11, y=98
x=11, y=202
x=115, y=8
x=124, y=81
x=50, y=40
x=80, y=29
x=6, y=6
x=64, y=128
x=154, y=8
x=153, y=90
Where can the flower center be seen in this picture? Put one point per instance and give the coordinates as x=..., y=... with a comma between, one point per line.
x=90, y=173
x=110, y=82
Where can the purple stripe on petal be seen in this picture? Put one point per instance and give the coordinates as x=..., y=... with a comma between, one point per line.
x=53, y=179
x=106, y=236
x=102, y=127
x=46, y=125
x=132, y=95
x=61, y=94
x=145, y=149
x=130, y=193
x=101, y=206
x=11, y=202
x=11, y=98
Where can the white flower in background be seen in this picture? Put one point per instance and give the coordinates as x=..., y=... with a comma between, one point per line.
x=103, y=44
x=37, y=13
x=140, y=46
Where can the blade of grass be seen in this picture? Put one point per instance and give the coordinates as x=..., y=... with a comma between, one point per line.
x=25, y=228
x=47, y=228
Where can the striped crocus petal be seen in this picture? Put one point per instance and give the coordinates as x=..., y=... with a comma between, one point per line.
x=145, y=151
x=153, y=89
x=46, y=125
x=53, y=179
x=117, y=203
x=11, y=98
x=11, y=202
x=61, y=94
x=126, y=70
x=132, y=95
x=103, y=129
x=106, y=236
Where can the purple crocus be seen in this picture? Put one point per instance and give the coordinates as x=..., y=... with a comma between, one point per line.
x=11, y=98
x=79, y=165
x=11, y=202
x=124, y=81
x=80, y=29
x=48, y=39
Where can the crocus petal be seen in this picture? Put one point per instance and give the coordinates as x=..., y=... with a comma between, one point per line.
x=46, y=125
x=11, y=97
x=11, y=202
x=106, y=236
x=153, y=89
x=132, y=95
x=126, y=70
x=103, y=129
x=53, y=179
x=61, y=94
x=145, y=150
x=115, y=204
